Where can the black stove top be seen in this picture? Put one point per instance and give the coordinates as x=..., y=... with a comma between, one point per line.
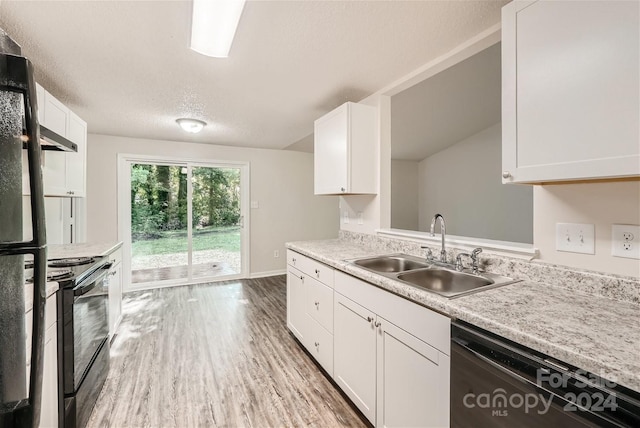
x=68, y=272
x=75, y=261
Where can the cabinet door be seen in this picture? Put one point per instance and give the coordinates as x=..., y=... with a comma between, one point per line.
x=49, y=412
x=571, y=78
x=413, y=380
x=354, y=354
x=40, y=100
x=331, y=154
x=56, y=115
x=296, y=304
x=54, y=173
x=115, y=298
x=76, y=162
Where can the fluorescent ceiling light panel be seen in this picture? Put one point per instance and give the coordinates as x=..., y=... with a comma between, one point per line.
x=213, y=26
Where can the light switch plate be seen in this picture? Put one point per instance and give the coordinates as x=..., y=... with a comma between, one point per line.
x=345, y=217
x=575, y=238
x=255, y=205
x=625, y=241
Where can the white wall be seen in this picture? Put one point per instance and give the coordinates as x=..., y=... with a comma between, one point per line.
x=281, y=181
x=404, y=195
x=598, y=203
x=367, y=212
x=463, y=183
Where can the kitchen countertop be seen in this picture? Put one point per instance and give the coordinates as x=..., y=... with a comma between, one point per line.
x=598, y=334
x=63, y=251
x=51, y=288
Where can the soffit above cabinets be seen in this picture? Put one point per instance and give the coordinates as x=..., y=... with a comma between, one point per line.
x=127, y=69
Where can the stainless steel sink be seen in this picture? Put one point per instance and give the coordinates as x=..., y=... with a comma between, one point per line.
x=443, y=281
x=435, y=277
x=393, y=263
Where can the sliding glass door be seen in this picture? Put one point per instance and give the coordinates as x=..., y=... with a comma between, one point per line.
x=217, y=222
x=186, y=222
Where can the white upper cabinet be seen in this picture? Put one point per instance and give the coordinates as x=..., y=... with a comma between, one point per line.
x=56, y=114
x=570, y=85
x=76, y=162
x=346, y=151
x=64, y=173
x=40, y=95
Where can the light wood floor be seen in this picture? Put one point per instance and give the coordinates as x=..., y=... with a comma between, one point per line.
x=215, y=355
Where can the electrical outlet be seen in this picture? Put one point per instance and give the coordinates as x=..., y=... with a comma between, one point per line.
x=345, y=217
x=360, y=217
x=276, y=254
x=625, y=241
x=575, y=238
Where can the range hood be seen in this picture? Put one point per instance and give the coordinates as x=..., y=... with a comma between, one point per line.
x=50, y=140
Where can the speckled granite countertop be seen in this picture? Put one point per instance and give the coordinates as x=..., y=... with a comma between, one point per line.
x=597, y=334
x=62, y=251
x=51, y=288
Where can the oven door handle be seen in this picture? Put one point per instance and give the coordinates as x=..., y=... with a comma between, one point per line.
x=92, y=281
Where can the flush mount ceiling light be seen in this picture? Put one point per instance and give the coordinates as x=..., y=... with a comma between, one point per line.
x=192, y=126
x=213, y=25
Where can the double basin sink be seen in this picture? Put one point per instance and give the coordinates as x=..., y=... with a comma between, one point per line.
x=431, y=276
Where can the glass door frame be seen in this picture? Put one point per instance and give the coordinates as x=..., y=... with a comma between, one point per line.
x=125, y=161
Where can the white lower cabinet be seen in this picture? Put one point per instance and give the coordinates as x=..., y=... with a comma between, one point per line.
x=296, y=314
x=49, y=405
x=115, y=291
x=49, y=411
x=354, y=354
x=412, y=381
x=319, y=342
x=310, y=306
x=391, y=356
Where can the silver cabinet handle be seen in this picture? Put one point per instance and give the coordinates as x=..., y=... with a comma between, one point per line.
x=506, y=174
x=369, y=319
x=317, y=344
x=317, y=305
x=377, y=324
x=342, y=189
x=318, y=273
x=301, y=278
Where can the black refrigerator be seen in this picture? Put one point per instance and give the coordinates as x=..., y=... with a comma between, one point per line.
x=19, y=130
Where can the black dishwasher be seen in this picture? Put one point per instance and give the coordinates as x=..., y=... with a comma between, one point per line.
x=498, y=383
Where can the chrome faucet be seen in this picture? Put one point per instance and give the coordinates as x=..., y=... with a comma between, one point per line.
x=443, y=252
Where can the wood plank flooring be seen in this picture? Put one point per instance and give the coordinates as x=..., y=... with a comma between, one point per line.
x=215, y=355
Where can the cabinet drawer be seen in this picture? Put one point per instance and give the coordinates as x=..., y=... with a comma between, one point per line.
x=320, y=303
x=50, y=315
x=115, y=257
x=320, y=345
x=425, y=324
x=294, y=259
x=310, y=267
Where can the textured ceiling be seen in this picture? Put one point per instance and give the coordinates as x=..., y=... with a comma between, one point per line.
x=125, y=67
x=447, y=107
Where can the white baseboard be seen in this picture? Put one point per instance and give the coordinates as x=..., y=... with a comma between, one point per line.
x=268, y=273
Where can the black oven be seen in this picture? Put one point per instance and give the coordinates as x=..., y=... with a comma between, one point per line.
x=83, y=343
